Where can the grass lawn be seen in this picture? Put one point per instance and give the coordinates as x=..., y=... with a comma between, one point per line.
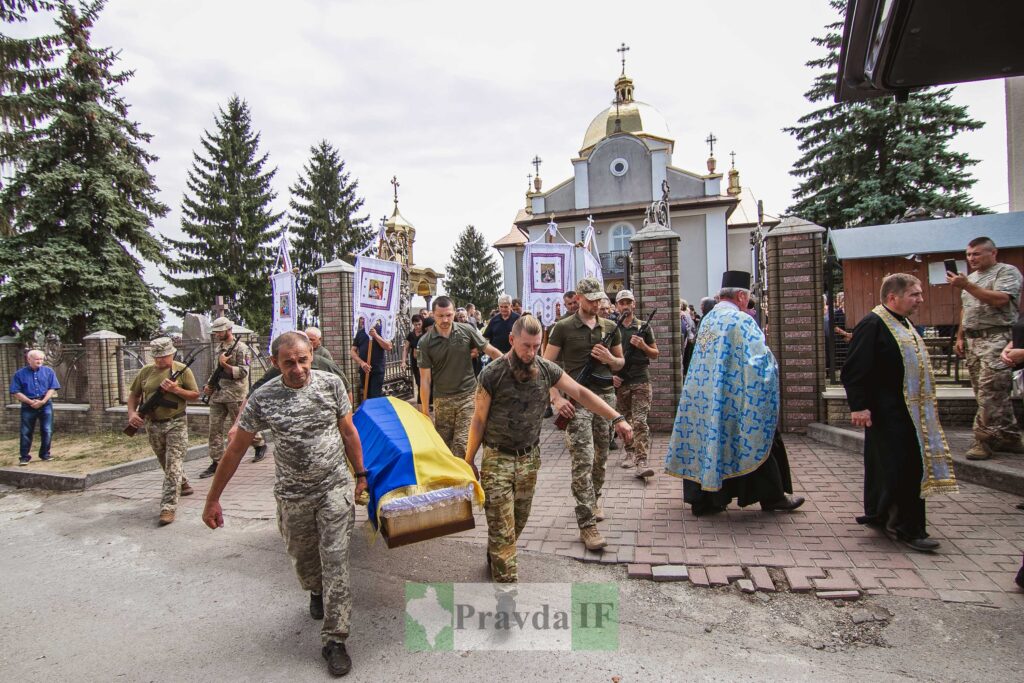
x=82, y=453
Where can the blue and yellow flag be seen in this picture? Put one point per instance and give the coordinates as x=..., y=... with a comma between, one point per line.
x=404, y=455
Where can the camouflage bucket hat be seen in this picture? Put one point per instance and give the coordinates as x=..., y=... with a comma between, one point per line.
x=222, y=324
x=590, y=288
x=162, y=346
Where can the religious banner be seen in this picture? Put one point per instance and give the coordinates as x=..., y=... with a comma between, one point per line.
x=549, y=272
x=376, y=294
x=285, y=314
x=591, y=263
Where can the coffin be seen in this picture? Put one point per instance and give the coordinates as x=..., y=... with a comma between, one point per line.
x=417, y=489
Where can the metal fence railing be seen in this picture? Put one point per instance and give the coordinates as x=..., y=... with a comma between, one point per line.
x=68, y=363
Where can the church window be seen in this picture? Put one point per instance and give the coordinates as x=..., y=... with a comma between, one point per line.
x=619, y=167
x=620, y=236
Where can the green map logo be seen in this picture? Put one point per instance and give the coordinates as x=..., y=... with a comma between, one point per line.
x=429, y=613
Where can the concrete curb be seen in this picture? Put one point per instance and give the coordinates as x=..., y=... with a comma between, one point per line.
x=54, y=481
x=987, y=473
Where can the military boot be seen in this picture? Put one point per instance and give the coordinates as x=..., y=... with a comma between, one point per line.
x=592, y=538
x=979, y=451
x=166, y=517
x=338, y=661
x=643, y=470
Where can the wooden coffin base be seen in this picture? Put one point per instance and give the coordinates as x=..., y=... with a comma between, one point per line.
x=422, y=526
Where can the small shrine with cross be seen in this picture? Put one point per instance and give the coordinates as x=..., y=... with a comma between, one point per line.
x=422, y=281
x=625, y=158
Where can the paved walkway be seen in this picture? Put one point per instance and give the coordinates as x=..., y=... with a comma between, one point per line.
x=819, y=548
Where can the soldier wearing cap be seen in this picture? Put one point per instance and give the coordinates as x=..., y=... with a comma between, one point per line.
x=575, y=340
x=226, y=400
x=633, y=383
x=166, y=427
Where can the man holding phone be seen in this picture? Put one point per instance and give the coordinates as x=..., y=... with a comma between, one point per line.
x=990, y=298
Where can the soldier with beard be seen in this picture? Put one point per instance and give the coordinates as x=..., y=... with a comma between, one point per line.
x=509, y=407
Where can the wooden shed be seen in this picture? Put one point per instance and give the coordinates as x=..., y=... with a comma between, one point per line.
x=870, y=253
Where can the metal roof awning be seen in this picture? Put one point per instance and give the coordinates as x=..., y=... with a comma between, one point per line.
x=928, y=237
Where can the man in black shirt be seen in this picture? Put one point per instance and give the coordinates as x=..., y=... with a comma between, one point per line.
x=500, y=326
x=377, y=360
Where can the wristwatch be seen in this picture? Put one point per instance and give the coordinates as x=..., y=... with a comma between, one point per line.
x=620, y=418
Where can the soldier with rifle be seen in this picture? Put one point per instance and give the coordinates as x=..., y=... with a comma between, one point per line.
x=633, y=382
x=591, y=351
x=164, y=387
x=225, y=391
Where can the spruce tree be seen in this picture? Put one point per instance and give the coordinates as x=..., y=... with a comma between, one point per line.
x=82, y=202
x=323, y=219
x=472, y=276
x=229, y=224
x=866, y=163
x=25, y=73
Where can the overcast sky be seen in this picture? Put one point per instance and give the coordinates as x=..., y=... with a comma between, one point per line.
x=455, y=98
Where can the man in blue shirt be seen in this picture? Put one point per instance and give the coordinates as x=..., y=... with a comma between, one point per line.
x=377, y=363
x=33, y=386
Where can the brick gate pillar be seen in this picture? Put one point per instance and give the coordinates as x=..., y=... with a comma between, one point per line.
x=796, y=324
x=12, y=357
x=334, y=303
x=102, y=376
x=655, y=255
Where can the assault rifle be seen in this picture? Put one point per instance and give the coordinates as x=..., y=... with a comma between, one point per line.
x=157, y=398
x=217, y=375
x=632, y=350
x=587, y=371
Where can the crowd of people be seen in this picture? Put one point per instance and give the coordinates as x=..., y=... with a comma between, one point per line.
x=591, y=370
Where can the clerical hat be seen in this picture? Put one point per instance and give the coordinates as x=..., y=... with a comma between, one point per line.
x=737, y=279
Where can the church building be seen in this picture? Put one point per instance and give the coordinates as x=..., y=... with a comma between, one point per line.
x=625, y=158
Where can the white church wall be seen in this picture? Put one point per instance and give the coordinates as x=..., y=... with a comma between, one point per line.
x=633, y=186
x=659, y=171
x=739, y=250
x=581, y=184
x=716, y=234
x=683, y=185
x=511, y=270
x=693, y=267
x=561, y=198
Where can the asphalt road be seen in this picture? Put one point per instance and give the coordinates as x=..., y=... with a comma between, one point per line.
x=94, y=591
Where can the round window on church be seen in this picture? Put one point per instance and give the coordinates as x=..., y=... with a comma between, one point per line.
x=619, y=167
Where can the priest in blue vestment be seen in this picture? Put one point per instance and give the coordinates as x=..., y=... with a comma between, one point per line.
x=725, y=443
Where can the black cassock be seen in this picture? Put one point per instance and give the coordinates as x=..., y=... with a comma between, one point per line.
x=873, y=377
x=769, y=483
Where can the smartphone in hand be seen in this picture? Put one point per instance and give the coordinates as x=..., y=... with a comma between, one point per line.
x=951, y=266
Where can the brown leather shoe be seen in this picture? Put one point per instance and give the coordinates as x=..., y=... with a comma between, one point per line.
x=979, y=451
x=592, y=538
x=166, y=517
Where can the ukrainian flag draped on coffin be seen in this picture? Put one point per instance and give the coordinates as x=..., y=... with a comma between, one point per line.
x=404, y=455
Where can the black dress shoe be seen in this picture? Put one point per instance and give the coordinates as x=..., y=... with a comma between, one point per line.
x=921, y=545
x=338, y=661
x=787, y=504
x=316, y=606
x=261, y=452
x=704, y=510
x=209, y=471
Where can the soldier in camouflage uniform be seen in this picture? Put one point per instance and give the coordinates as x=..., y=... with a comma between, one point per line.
x=509, y=408
x=166, y=426
x=446, y=366
x=633, y=383
x=226, y=401
x=990, y=300
x=576, y=340
x=310, y=417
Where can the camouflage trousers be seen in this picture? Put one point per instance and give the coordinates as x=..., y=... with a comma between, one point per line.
x=587, y=439
x=452, y=415
x=317, y=533
x=634, y=402
x=508, y=481
x=994, y=423
x=169, y=441
x=222, y=416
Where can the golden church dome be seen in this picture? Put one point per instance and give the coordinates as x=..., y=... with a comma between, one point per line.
x=638, y=118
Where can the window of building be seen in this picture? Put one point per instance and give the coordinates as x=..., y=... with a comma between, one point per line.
x=620, y=236
x=619, y=167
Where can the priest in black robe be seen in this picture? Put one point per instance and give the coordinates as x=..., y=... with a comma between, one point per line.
x=890, y=390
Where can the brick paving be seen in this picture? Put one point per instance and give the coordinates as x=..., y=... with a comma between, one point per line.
x=818, y=548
